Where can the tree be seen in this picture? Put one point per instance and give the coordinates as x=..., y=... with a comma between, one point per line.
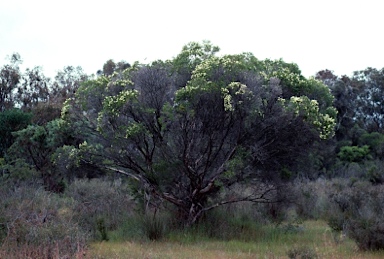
x=344, y=101
x=9, y=79
x=375, y=141
x=36, y=146
x=358, y=100
x=33, y=90
x=189, y=58
x=369, y=102
x=109, y=67
x=228, y=125
x=66, y=83
x=10, y=121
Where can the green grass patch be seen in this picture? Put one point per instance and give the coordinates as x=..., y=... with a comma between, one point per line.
x=268, y=241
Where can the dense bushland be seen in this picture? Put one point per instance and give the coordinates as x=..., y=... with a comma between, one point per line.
x=210, y=146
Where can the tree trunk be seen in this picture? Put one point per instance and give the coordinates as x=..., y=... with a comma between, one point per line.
x=190, y=214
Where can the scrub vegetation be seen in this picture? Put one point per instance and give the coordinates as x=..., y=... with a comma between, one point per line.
x=200, y=156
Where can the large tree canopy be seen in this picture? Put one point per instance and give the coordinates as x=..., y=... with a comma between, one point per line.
x=232, y=122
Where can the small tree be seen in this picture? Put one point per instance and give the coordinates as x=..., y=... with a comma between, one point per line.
x=33, y=90
x=10, y=121
x=229, y=124
x=10, y=76
x=37, y=146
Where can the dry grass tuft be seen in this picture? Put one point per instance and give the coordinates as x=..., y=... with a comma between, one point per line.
x=51, y=251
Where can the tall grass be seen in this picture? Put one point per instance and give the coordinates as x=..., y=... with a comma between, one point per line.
x=42, y=251
x=101, y=205
x=38, y=224
x=246, y=230
x=35, y=223
x=316, y=238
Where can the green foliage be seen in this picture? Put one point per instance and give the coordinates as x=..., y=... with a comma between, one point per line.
x=11, y=121
x=309, y=111
x=191, y=55
x=295, y=84
x=90, y=95
x=113, y=104
x=37, y=146
x=369, y=88
x=33, y=91
x=154, y=226
x=10, y=77
x=231, y=121
x=289, y=75
x=316, y=90
x=375, y=141
x=16, y=172
x=358, y=100
x=375, y=171
x=219, y=225
x=102, y=229
x=354, y=153
x=196, y=52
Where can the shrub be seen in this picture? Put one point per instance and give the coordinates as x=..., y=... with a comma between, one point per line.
x=310, y=198
x=375, y=141
x=101, y=205
x=302, y=253
x=102, y=229
x=38, y=224
x=354, y=153
x=239, y=221
x=375, y=172
x=154, y=226
x=359, y=211
x=223, y=225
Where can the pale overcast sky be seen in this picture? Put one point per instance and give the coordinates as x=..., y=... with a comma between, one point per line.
x=339, y=35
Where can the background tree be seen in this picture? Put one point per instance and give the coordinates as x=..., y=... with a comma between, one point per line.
x=111, y=67
x=66, y=83
x=358, y=142
x=369, y=102
x=344, y=100
x=33, y=89
x=10, y=121
x=9, y=79
x=44, y=97
x=358, y=99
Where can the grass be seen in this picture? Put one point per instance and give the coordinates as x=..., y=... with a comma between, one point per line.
x=41, y=252
x=271, y=243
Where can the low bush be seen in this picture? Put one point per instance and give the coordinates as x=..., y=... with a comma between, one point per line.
x=154, y=226
x=101, y=205
x=358, y=210
x=310, y=198
x=38, y=224
x=302, y=253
